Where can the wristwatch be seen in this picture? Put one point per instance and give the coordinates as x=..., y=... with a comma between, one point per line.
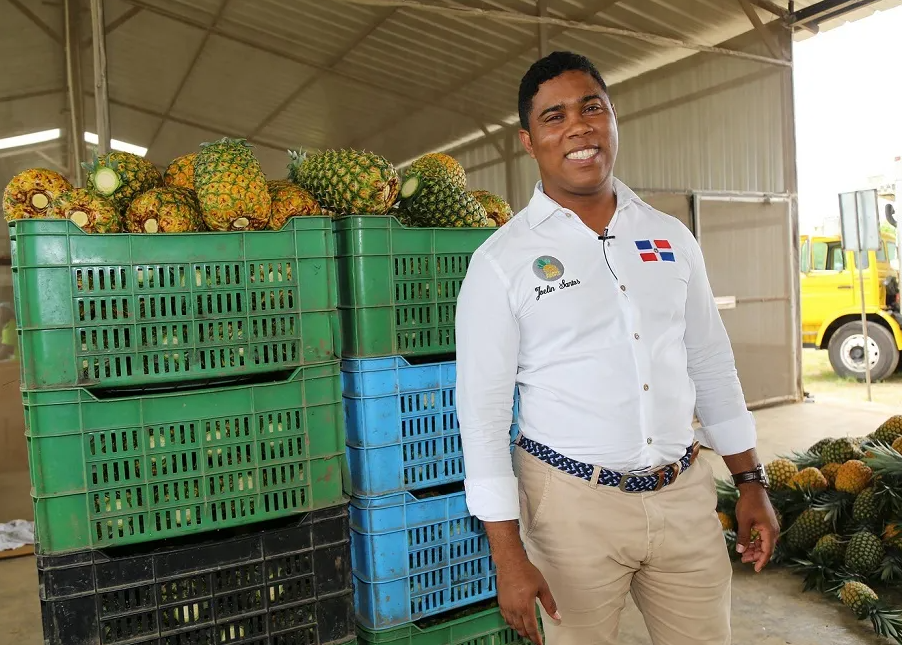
x=757, y=475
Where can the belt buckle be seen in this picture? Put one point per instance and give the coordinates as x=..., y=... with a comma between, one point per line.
x=624, y=480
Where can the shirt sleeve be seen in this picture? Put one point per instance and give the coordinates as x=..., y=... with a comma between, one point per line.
x=488, y=341
x=727, y=426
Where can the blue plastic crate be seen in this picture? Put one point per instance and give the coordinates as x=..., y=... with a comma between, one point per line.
x=401, y=425
x=412, y=558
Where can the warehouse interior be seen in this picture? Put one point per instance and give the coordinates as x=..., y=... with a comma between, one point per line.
x=703, y=91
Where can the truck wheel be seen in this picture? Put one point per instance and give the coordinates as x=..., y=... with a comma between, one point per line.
x=846, y=351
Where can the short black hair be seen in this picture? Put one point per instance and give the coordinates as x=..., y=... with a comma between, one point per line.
x=545, y=69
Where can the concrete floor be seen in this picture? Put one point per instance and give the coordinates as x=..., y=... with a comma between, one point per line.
x=768, y=608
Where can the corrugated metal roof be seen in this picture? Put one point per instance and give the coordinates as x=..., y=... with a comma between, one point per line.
x=322, y=73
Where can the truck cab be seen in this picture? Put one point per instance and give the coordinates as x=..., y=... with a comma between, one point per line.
x=831, y=305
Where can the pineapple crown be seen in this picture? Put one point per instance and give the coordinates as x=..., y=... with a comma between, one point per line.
x=227, y=141
x=91, y=166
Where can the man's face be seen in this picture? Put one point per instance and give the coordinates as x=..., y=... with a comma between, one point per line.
x=573, y=133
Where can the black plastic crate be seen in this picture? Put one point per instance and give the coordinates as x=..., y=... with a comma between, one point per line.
x=286, y=582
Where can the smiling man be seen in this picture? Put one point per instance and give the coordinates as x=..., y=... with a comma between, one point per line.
x=599, y=309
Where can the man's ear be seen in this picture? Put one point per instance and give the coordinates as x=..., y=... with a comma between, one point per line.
x=526, y=140
x=614, y=110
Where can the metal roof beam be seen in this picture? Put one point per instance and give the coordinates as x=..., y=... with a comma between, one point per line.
x=303, y=87
x=114, y=25
x=181, y=86
x=9, y=98
x=780, y=12
x=824, y=10
x=594, y=9
x=766, y=35
x=206, y=127
x=655, y=39
x=40, y=24
x=285, y=54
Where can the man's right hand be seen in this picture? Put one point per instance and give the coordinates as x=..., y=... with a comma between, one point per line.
x=518, y=581
x=518, y=587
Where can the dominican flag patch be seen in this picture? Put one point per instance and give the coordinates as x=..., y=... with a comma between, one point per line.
x=655, y=251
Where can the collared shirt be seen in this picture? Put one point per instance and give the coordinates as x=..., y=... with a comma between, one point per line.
x=613, y=345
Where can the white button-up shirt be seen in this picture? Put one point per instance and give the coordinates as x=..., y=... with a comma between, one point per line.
x=614, y=345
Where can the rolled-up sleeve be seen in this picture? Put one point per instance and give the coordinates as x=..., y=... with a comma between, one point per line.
x=727, y=426
x=488, y=340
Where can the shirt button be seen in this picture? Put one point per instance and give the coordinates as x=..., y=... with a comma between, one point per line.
x=623, y=287
x=648, y=441
x=645, y=387
x=636, y=336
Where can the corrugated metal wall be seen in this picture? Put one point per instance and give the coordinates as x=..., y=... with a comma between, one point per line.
x=706, y=123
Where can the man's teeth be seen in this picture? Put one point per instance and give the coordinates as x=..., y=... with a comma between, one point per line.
x=583, y=154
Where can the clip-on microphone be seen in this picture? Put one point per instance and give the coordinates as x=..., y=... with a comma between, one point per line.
x=605, y=236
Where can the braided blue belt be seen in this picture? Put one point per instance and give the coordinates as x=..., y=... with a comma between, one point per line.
x=626, y=482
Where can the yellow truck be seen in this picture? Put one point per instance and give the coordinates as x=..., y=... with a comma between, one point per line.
x=831, y=305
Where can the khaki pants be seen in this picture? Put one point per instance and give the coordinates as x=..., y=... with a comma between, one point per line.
x=593, y=545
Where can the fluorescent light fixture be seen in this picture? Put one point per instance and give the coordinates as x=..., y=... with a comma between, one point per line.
x=30, y=139
x=90, y=137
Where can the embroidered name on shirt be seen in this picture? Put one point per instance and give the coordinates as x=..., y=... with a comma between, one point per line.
x=564, y=284
x=655, y=250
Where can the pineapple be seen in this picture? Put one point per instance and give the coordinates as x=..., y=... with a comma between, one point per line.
x=809, y=479
x=853, y=477
x=30, y=194
x=348, y=182
x=897, y=444
x=726, y=522
x=892, y=536
x=858, y=597
x=819, y=446
x=289, y=200
x=497, y=210
x=231, y=186
x=809, y=527
x=88, y=210
x=865, y=509
x=830, y=549
x=180, y=172
x=164, y=210
x=438, y=203
x=829, y=472
x=438, y=165
x=839, y=451
x=780, y=473
x=122, y=176
x=889, y=430
x=864, y=553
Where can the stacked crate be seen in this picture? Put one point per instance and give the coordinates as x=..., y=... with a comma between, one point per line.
x=421, y=563
x=183, y=413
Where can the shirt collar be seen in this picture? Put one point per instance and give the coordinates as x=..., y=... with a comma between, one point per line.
x=541, y=206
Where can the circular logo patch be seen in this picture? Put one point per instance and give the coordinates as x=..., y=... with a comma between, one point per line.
x=548, y=268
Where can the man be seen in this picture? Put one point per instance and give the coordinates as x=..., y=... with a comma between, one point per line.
x=599, y=309
x=9, y=345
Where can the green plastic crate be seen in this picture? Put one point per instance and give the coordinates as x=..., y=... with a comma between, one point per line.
x=142, y=468
x=105, y=311
x=477, y=627
x=398, y=286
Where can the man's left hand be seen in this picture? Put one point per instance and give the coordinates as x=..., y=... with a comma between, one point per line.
x=754, y=511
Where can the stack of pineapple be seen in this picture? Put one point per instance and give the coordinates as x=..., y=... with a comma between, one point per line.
x=221, y=187
x=839, y=505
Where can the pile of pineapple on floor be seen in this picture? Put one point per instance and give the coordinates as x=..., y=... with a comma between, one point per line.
x=221, y=187
x=839, y=504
